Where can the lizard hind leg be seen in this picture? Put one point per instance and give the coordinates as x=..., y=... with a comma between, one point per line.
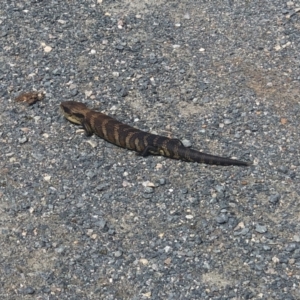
x=150, y=150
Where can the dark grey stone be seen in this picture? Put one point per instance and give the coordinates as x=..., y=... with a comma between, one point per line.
x=222, y=218
x=275, y=198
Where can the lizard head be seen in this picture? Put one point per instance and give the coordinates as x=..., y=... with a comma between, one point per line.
x=74, y=111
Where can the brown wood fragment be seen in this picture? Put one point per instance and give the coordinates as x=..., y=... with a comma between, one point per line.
x=30, y=97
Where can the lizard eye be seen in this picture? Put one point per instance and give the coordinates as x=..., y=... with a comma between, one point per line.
x=66, y=109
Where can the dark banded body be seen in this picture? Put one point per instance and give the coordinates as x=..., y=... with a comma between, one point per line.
x=132, y=138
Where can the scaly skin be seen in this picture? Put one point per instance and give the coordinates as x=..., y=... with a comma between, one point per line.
x=132, y=138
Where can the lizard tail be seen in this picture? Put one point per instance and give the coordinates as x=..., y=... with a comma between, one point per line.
x=200, y=157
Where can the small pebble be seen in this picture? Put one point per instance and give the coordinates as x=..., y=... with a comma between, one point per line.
x=260, y=228
x=222, y=218
x=29, y=290
x=23, y=140
x=186, y=143
x=227, y=121
x=291, y=247
x=148, y=190
x=118, y=253
x=186, y=16
x=189, y=217
x=296, y=238
x=283, y=169
x=162, y=181
x=275, y=198
x=100, y=223
x=60, y=249
x=266, y=247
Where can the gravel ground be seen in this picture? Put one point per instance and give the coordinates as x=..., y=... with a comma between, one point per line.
x=83, y=219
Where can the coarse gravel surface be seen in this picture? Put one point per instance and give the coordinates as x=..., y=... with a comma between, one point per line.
x=83, y=219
